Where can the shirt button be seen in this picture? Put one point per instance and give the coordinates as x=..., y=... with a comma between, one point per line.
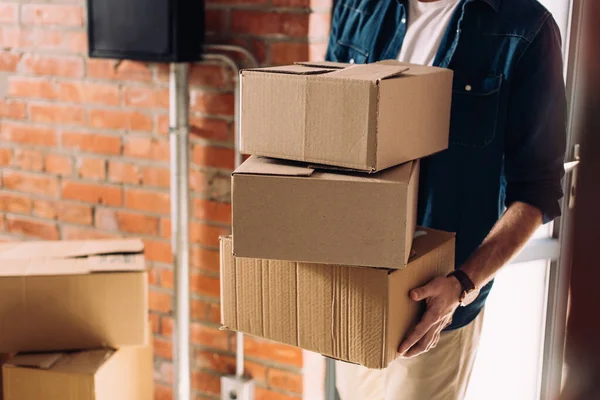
x=403, y=20
x=468, y=88
x=352, y=61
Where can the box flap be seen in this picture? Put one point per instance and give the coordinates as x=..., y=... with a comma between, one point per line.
x=267, y=166
x=293, y=70
x=72, y=266
x=39, y=361
x=370, y=72
x=68, y=249
x=323, y=64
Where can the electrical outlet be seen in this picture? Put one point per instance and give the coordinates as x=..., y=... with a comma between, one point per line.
x=236, y=388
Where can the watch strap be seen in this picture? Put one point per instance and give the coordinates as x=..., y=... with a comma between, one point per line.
x=465, y=282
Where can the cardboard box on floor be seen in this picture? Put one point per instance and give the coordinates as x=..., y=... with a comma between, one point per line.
x=286, y=211
x=364, y=117
x=104, y=374
x=72, y=295
x=354, y=314
x=3, y=359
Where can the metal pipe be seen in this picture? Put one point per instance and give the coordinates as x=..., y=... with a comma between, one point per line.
x=253, y=63
x=179, y=160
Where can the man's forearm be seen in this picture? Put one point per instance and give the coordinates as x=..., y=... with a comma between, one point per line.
x=505, y=239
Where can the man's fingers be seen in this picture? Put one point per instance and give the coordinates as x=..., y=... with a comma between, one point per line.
x=425, y=343
x=423, y=292
x=429, y=319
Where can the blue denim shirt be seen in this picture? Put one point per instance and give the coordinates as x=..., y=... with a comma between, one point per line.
x=508, y=119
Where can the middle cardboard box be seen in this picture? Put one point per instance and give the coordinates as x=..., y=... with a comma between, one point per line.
x=288, y=211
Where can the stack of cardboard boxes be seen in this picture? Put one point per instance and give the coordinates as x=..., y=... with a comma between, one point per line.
x=322, y=254
x=74, y=321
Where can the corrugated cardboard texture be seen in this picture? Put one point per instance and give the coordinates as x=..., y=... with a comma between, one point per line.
x=85, y=300
x=124, y=374
x=354, y=314
x=361, y=117
x=3, y=358
x=325, y=217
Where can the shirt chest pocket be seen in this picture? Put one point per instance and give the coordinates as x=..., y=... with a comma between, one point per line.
x=344, y=51
x=475, y=103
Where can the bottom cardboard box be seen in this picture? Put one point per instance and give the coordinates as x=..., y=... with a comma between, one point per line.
x=104, y=374
x=354, y=314
x=3, y=358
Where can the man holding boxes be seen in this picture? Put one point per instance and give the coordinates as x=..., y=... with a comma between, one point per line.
x=507, y=144
x=362, y=169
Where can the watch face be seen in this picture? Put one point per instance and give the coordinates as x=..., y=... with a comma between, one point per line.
x=469, y=297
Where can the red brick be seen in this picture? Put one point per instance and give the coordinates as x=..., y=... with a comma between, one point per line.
x=206, y=383
x=5, y=156
x=59, y=164
x=155, y=176
x=41, y=88
x=137, y=96
x=92, y=142
x=205, y=234
x=137, y=223
x=145, y=147
x=52, y=14
x=199, y=182
x=15, y=203
x=283, y=53
x=146, y=200
x=212, y=211
x=9, y=13
x=32, y=228
x=72, y=232
x=215, y=21
x=162, y=348
x=63, y=211
x=154, y=322
x=91, y=93
x=162, y=392
x=207, y=336
x=165, y=371
x=198, y=308
x=11, y=37
x=91, y=168
x=286, y=380
x=122, y=70
x=266, y=394
x=204, y=259
x=119, y=119
x=269, y=23
x=31, y=183
x=210, y=128
x=49, y=40
x=12, y=109
x=106, y=219
x=153, y=276
x=211, y=156
x=160, y=301
x=32, y=160
x=212, y=103
x=9, y=61
x=92, y=193
x=271, y=351
x=205, y=285
x=67, y=66
x=121, y=172
x=159, y=251
x=166, y=278
x=27, y=134
x=56, y=114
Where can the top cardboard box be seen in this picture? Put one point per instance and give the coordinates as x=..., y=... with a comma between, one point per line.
x=72, y=295
x=363, y=117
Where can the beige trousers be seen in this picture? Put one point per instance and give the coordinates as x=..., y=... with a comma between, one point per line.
x=441, y=374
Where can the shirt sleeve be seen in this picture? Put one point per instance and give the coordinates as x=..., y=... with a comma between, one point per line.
x=536, y=125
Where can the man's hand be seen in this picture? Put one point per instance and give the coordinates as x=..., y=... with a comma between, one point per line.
x=442, y=296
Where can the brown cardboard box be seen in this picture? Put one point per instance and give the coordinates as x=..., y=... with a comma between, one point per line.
x=105, y=374
x=72, y=295
x=3, y=359
x=286, y=211
x=364, y=117
x=354, y=314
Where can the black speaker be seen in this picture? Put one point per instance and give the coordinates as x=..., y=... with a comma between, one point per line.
x=146, y=30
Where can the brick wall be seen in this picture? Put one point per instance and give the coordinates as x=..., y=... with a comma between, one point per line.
x=84, y=154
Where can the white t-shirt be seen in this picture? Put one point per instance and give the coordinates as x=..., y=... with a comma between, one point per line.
x=427, y=22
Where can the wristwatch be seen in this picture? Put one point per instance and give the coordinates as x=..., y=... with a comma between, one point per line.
x=470, y=291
